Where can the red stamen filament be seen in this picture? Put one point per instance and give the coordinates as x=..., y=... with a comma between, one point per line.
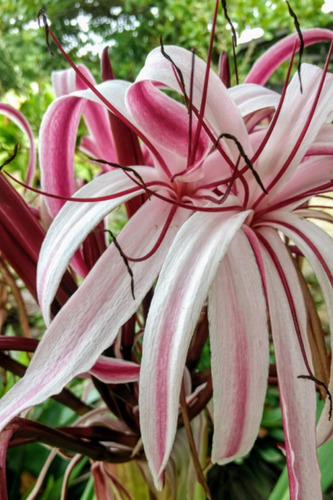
x=159, y=240
x=205, y=87
x=289, y=296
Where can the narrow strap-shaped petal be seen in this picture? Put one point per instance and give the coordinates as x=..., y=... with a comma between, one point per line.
x=239, y=351
x=277, y=164
x=57, y=140
x=100, y=143
x=249, y=98
x=165, y=121
x=265, y=66
x=312, y=174
x=221, y=112
x=23, y=124
x=74, y=223
x=297, y=396
x=89, y=322
x=182, y=288
x=317, y=246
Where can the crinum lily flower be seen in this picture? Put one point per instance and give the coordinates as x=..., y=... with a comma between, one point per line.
x=233, y=170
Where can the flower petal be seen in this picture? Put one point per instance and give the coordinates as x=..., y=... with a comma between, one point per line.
x=239, y=351
x=297, y=396
x=265, y=66
x=277, y=165
x=57, y=140
x=165, y=122
x=99, y=143
x=75, y=222
x=317, y=246
x=180, y=293
x=22, y=123
x=115, y=370
x=221, y=112
x=89, y=322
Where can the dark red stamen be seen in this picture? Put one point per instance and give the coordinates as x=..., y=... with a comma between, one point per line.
x=290, y=299
x=159, y=240
x=205, y=86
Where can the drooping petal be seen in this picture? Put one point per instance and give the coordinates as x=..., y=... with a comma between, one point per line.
x=297, y=396
x=75, y=222
x=115, y=370
x=265, y=66
x=180, y=293
x=239, y=351
x=90, y=320
x=317, y=246
x=23, y=124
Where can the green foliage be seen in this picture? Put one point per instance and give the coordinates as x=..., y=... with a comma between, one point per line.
x=131, y=28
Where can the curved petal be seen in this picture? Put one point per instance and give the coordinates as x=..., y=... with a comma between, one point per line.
x=276, y=163
x=74, y=223
x=115, y=370
x=250, y=98
x=89, y=322
x=221, y=113
x=265, y=66
x=23, y=124
x=317, y=246
x=165, y=122
x=66, y=81
x=58, y=135
x=312, y=174
x=239, y=351
x=100, y=142
x=57, y=140
x=181, y=290
x=297, y=396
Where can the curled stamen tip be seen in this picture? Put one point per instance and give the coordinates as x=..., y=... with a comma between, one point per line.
x=322, y=384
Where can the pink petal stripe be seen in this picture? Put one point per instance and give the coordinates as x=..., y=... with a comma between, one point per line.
x=22, y=123
x=74, y=223
x=277, y=165
x=90, y=320
x=115, y=370
x=265, y=66
x=317, y=246
x=239, y=351
x=57, y=141
x=180, y=293
x=100, y=143
x=165, y=121
x=311, y=174
x=221, y=112
x=297, y=396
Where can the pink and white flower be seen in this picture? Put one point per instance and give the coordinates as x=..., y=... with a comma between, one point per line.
x=232, y=173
